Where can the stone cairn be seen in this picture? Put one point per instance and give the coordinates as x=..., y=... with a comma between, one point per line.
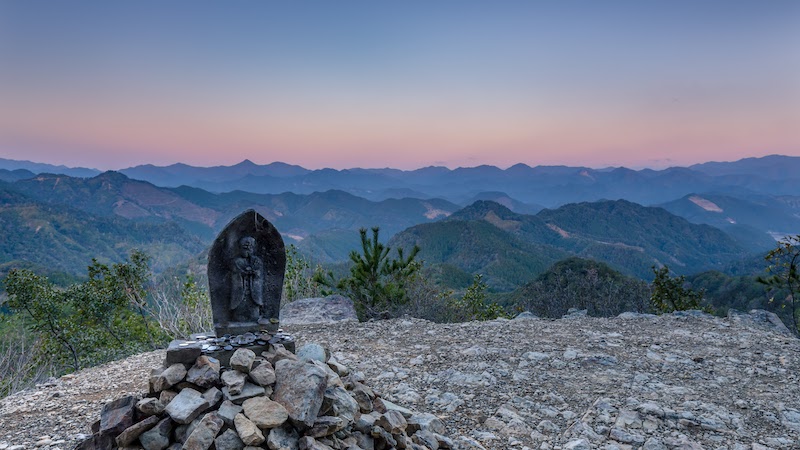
x=277, y=400
x=247, y=389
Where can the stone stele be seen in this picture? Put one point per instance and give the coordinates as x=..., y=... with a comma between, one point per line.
x=246, y=266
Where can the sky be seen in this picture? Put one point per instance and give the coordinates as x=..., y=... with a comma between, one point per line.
x=409, y=84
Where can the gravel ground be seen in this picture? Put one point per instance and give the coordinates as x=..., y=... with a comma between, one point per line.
x=669, y=382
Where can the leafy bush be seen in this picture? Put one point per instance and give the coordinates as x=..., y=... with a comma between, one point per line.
x=670, y=294
x=784, y=261
x=88, y=323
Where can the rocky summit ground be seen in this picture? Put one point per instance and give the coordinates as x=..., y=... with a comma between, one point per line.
x=680, y=381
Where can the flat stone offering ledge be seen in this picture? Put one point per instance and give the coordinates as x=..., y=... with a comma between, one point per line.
x=221, y=348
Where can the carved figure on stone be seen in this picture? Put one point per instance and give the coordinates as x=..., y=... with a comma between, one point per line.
x=247, y=280
x=246, y=267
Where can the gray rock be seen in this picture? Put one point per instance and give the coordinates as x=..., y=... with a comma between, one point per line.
x=426, y=422
x=186, y=406
x=170, y=376
x=150, y=406
x=654, y=444
x=183, y=352
x=759, y=318
x=157, y=438
x=281, y=438
x=312, y=352
x=338, y=402
x=228, y=440
x=249, y=390
x=278, y=352
x=300, y=388
x=309, y=443
x=204, y=433
x=333, y=308
x=325, y=426
x=234, y=381
x=242, y=360
x=166, y=396
x=525, y=315
x=227, y=411
x=426, y=438
x=134, y=431
x=265, y=413
x=577, y=444
x=392, y=421
x=250, y=434
x=117, y=415
x=204, y=372
x=467, y=443
x=263, y=374
x=391, y=406
x=213, y=397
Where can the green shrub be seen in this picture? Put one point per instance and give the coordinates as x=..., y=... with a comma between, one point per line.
x=669, y=294
x=376, y=283
x=783, y=269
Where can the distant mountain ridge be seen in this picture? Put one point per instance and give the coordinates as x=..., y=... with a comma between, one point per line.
x=549, y=186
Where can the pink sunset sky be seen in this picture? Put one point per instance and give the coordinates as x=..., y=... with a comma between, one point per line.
x=110, y=85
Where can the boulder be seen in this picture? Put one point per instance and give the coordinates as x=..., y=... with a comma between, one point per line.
x=263, y=374
x=204, y=372
x=134, y=431
x=157, y=438
x=204, y=433
x=248, y=431
x=242, y=360
x=759, y=318
x=186, y=406
x=334, y=308
x=229, y=440
x=281, y=438
x=116, y=416
x=265, y=413
x=300, y=388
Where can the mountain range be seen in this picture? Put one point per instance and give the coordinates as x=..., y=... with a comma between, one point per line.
x=478, y=229
x=549, y=186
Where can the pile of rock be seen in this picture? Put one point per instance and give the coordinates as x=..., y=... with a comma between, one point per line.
x=275, y=400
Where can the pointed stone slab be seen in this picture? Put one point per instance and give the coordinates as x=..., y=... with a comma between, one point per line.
x=246, y=266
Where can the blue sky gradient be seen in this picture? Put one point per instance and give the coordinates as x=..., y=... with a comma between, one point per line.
x=357, y=83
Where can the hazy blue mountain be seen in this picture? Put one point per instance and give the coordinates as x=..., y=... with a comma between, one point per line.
x=34, y=167
x=774, y=167
x=181, y=174
x=767, y=217
x=550, y=186
x=16, y=174
x=505, y=200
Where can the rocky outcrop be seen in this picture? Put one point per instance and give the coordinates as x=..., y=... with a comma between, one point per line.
x=676, y=381
x=330, y=309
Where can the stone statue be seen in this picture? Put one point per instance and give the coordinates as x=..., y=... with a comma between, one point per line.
x=246, y=267
x=247, y=280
